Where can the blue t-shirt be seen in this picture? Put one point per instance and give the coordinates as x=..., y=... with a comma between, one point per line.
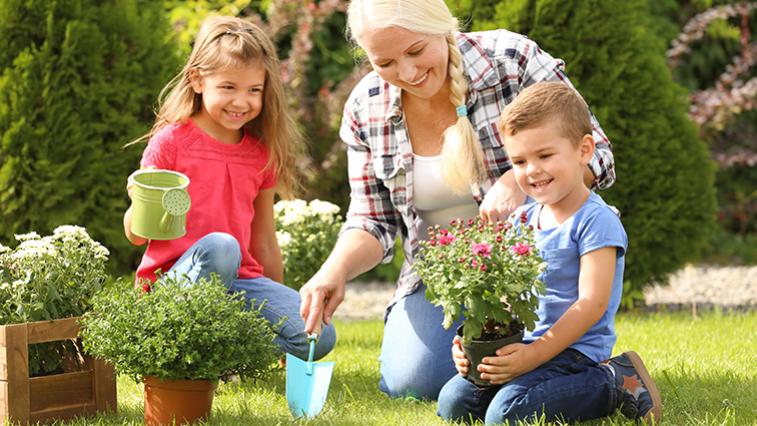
x=595, y=225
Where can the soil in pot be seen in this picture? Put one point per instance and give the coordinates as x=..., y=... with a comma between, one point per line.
x=487, y=345
x=186, y=401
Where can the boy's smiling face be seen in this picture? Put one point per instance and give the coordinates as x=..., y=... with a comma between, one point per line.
x=549, y=167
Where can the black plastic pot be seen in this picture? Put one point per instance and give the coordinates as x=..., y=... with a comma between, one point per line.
x=479, y=349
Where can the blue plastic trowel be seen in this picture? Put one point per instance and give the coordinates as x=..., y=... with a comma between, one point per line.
x=307, y=383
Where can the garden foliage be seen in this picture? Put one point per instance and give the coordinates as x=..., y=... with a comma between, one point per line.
x=664, y=186
x=177, y=330
x=78, y=80
x=306, y=233
x=47, y=278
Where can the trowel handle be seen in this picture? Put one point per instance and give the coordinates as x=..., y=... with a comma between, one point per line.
x=312, y=338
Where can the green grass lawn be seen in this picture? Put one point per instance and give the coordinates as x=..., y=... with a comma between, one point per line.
x=704, y=368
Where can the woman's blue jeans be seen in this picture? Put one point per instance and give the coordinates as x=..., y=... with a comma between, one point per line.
x=219, y=253
x=416, y=352
x=569, y=387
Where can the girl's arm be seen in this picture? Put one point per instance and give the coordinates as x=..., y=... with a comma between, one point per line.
x=134, y=239
x=263, y=244
x=594, y=287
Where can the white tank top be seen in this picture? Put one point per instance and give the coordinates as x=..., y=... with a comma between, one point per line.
x=434, y=200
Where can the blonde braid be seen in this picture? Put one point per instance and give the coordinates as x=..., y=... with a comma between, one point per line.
x=462, y=156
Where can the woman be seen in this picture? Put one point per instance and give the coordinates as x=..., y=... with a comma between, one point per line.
x=423, y=149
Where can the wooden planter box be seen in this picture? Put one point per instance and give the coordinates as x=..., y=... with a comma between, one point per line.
x=27, y=399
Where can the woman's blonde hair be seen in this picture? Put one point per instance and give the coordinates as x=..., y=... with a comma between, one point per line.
x=462, y=156
x=229, y=42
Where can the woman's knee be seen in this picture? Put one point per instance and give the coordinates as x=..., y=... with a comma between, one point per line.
x=415, y=376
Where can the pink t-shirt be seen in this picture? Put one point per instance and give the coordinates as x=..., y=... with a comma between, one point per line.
x=224, y=181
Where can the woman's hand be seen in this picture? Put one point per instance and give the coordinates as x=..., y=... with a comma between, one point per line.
x=510, y=362
x=502, y=199
x=321, y=295
x=458, y=356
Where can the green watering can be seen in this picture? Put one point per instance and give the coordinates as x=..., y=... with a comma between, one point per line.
x=307, y=383
x=160, y=202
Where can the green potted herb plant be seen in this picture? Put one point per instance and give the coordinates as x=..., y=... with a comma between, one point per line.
x=179, y=338
x=486, y=273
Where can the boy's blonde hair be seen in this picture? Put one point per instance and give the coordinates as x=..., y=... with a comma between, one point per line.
x=229, y=42
x=462, y=156
x=553, y=101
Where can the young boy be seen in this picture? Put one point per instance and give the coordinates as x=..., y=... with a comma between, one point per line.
x=558, y=371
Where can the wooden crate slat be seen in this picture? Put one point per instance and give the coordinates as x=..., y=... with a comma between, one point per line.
x=3, y=361
x=62, y=412
x=68, y=389
x=17, y=357
x=105, y=386
x=51, y=331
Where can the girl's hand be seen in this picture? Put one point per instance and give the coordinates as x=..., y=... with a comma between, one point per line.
x=458, y=356
x=510, y=362
x=320, y=297
x=502, y=199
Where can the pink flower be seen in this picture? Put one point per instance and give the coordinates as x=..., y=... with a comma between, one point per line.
x=521, y=249
x=481, y=249
x=483, y=267
x=446, y=239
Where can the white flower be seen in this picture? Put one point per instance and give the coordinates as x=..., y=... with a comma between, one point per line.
x=5, y=286
x=26, y=237
x=284, y=238
x=100, y=252
x=326, y=211
x=32, y=249
x=18, y=283
x=4, y=249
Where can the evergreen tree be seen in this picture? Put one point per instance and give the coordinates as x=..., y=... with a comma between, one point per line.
x=78, y=79
x=664, y=185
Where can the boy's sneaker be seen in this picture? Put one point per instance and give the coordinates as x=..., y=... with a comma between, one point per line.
x=640, y=396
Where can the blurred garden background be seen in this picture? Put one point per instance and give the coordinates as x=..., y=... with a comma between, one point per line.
x=672, y=82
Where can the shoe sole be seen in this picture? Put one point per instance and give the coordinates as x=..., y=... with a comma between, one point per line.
x=656, y=411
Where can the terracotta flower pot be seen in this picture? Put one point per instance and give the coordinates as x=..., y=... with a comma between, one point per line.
x=478, y=349
x=184, y=400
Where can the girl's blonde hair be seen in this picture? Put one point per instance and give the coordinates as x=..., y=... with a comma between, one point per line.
x=229, y=42
x=462, y=156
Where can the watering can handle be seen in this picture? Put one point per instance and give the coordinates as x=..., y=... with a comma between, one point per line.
x=166, y=221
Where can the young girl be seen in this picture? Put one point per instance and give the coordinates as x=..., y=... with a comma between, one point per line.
x=225, y=124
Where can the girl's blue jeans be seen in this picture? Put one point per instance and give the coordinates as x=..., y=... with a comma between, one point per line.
x=219, y=253
x=416, y=352
x=569, y=387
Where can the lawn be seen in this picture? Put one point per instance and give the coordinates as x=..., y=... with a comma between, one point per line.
x=703, y=368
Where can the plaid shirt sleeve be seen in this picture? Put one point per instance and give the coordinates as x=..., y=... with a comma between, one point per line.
x=540, y=66
x=370, y=207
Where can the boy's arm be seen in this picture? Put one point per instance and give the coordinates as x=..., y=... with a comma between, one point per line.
x=594, y=287
x=263, y=244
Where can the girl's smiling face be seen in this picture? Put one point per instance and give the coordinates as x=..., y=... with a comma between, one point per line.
x=231, y=98
x=414, y=62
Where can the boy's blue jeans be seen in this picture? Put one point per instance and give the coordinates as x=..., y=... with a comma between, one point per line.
x=219, y=253
x=569, y=387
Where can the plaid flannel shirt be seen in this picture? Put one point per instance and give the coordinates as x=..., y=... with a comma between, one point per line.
x=498, y=65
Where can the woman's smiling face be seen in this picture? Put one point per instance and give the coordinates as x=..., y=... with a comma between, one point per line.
x=414, y=62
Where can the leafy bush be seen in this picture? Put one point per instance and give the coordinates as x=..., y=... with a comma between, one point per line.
x=46, y=278
x=178, y=331
x=78, y=80
x=665, y=188
x=306, y=233
x=488, y=270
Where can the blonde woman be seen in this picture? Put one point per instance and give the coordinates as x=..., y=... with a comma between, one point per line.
x=423, y=148
x=225, y=124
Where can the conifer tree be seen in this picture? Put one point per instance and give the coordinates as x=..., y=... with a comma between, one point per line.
x=664, y=186
x=78, y=79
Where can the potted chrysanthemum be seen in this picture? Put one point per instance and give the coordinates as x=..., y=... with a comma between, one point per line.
x=486, y=273
x=178, y=338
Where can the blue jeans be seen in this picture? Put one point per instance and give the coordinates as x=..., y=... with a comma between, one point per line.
x=219, y=253
x=569, y=387
x=416, y=356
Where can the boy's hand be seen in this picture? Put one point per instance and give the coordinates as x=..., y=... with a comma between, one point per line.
x=510, y=362
x=458, y=356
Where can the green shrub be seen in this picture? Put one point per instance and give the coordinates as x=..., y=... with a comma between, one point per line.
x=178, y=331
x=306, y=233
x=47, y=278
x=78, y=80
x=665, y=176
